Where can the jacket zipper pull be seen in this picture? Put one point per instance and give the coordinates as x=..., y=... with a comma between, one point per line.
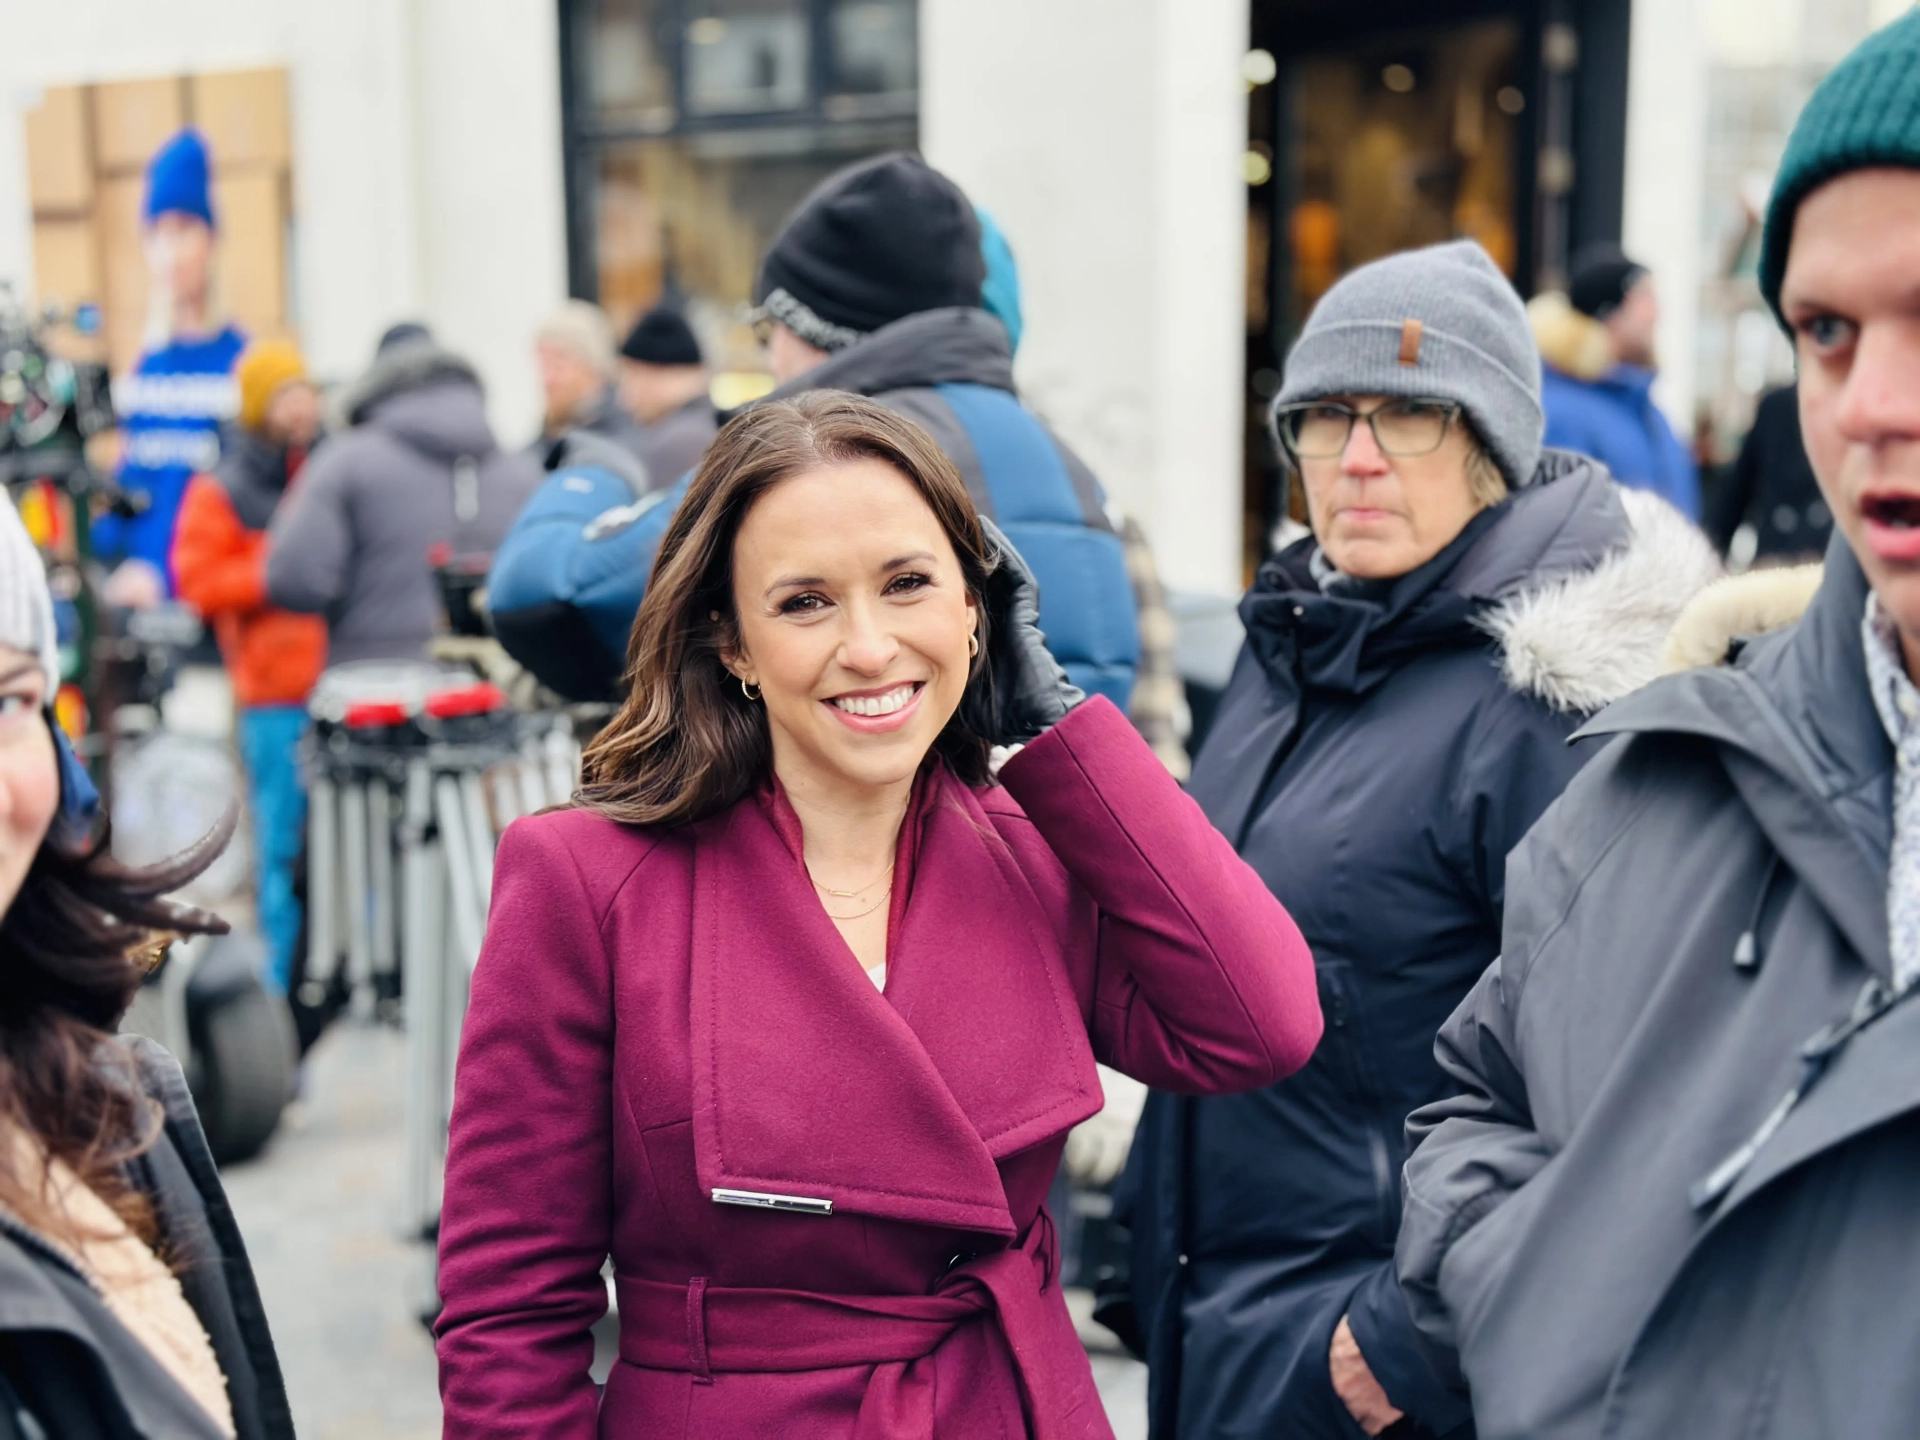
x=466, y=490
x=1873, y=1001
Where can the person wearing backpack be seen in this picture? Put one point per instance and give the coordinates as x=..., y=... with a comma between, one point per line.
x=875, y=285
x=418, y=479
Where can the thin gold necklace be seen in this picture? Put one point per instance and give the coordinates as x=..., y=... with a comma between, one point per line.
x=851, y=894
x=861, y=914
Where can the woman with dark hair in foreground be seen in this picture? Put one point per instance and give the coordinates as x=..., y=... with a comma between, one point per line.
x=792, y=1014
x=127, y=1306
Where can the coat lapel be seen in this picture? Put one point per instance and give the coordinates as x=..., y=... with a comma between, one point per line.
x=808, y=1082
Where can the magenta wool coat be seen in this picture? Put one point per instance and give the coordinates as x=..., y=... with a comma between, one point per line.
x=663, y=1016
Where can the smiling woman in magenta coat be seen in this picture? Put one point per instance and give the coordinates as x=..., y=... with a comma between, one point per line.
x=792, y=1014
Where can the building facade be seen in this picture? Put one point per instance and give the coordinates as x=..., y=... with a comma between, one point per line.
x=1179, y=179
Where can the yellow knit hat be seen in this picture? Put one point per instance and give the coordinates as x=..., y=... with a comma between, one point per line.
x=266, y=366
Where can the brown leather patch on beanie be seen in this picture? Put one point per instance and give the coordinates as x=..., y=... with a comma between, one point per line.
x=1410, y=333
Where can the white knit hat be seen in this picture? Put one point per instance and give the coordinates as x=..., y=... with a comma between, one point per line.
x=583, y=328
x=26, y=606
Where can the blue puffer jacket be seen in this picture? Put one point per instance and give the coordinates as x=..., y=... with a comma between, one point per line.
x=1614, y=420
x=568, y=580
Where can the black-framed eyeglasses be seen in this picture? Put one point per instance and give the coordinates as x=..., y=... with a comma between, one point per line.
x=1320, y=429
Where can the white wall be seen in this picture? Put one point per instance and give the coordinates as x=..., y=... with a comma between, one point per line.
x=1106, y=137
x=427, y=166
x=1666, y=149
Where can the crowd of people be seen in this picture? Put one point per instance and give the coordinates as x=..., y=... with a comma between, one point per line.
x=1511, y=988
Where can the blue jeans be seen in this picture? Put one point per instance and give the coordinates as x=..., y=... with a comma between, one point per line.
x=270, y=749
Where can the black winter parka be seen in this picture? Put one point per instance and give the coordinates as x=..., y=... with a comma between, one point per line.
x=1379, y=750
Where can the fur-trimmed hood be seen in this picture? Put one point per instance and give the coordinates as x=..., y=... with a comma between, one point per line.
x=1582, y=640
x=1576, y=578
x=1736, y=609
x=1572, y=343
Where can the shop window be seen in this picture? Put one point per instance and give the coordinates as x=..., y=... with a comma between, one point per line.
x=626, y=63
x=746, y=55
x=1402, y=141
x=695, y=126
x=684, y=215
x=875, y=47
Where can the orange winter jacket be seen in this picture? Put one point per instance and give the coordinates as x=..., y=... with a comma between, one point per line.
x=220, y=568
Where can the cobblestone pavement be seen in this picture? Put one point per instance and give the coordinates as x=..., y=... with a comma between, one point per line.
x=319, y=1211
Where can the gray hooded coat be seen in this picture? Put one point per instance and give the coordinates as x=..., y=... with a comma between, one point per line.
x=1620, y=1224
x=416, y=480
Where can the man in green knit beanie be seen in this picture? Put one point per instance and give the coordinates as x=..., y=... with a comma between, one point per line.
x=1677, y=1189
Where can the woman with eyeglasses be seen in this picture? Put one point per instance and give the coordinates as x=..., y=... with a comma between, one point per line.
x=1398, y=717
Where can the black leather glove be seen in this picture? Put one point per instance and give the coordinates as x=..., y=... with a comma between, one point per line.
x=1031, y=693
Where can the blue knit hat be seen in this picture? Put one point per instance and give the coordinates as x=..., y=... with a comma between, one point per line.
x=1000, y=294
x=179, y=180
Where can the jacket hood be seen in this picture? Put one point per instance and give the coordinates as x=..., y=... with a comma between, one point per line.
x=400, y=368
x=253, y=472
x=1589, y=637
x=959, y=345
x=1797, y=730
x=1575, y=578
x=445, y=417
x=1795, y=698
x=1572, y=343
x=1740, y=608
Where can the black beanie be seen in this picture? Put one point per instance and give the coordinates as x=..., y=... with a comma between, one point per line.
x=878, y=241
x=662, y=337
x=1602, y=276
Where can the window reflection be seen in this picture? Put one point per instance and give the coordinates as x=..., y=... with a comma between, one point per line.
x=625, y=59
x=746, y=55
x=692, y=215
x=875, y=47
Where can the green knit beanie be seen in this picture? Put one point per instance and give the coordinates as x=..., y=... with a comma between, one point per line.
x=1865, y=113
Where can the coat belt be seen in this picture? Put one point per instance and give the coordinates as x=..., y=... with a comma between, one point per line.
x=703, y=1330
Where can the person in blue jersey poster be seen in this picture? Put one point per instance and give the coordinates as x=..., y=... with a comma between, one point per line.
x=173, y=402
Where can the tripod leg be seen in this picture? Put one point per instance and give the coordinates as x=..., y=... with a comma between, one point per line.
x=421, y=955
x=323, y=883
x=353, y=836
x=380, y=915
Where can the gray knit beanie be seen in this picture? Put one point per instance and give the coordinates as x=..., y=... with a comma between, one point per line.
x=26, y=607
x=1441, y=323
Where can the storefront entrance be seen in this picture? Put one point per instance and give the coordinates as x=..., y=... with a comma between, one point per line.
x=1380, y=128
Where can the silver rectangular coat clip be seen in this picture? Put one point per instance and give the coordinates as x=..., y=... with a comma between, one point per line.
x=790, y=1204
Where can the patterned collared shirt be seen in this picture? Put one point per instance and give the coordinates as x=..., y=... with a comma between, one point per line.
x=1898, y=702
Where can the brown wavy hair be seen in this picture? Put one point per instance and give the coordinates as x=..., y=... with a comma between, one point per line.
x=75, y=945
x=687, y=742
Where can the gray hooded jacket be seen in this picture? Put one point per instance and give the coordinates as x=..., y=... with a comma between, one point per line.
x=1621, y=1225
x=417, y=479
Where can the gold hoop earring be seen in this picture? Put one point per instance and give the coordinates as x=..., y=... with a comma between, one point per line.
x=973, y=643
x=750, y=691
